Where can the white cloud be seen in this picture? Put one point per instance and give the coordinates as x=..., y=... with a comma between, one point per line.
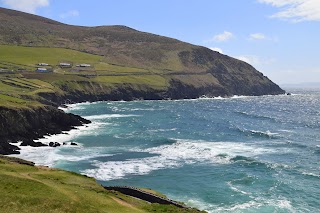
x=257, y=36
x=71, y=13
x=29, y=6
x=296, y=10
x=223, y=36
x=217, y=49
x=255, y=60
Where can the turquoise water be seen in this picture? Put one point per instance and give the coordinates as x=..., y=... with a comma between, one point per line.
x=243, y=154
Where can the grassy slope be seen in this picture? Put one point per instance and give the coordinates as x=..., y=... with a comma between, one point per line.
x=38, y=189
x=15, y=87
x=122, y=50
x=29, y=57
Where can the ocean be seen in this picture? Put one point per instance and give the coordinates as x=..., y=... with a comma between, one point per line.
x=240, y=154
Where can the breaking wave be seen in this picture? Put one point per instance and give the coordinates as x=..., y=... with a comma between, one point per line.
x=175, y=155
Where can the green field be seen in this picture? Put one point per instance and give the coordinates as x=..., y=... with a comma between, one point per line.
x=24, y=83
x=26, y=188
x=27, y=58
x=31, y=56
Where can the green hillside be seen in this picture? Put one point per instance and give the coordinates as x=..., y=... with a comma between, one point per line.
x=26, y=188
x=181, y=70
x=24, y=84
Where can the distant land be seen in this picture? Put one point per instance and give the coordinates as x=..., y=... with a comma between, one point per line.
x=302, y=85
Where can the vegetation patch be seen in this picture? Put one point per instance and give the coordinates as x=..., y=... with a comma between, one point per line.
x=27, y=188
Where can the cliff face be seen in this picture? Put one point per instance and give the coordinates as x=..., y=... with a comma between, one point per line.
x=27, y=124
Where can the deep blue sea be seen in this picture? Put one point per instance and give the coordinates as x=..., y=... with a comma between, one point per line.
x=240, y=154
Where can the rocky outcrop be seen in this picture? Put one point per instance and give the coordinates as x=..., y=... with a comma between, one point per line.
x=28, y=124
x=143, y=195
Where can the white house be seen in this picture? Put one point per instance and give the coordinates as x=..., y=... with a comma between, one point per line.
x=43, y=64
x=42, y=70
x=65, y=65
x=83, y=65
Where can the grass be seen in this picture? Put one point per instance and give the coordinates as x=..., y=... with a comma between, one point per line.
x=102, y=78
x=11, y=99
x=30, y=56
x=155, y=81
x=26, y=188
x=27, y=58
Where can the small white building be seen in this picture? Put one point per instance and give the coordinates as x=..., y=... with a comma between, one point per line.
x=42, y=70
x=43, y=64
x=83, y=65
x=65, y=65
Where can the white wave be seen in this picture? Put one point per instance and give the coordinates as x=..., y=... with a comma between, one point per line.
x=255, y=205
x=266, y=133
x=207, y=151
x=285, y=130
x=119, y=169
x=241, y=96
x=49, y=156
x=175, y=155
x=248, y=205
x=162, y=130
x=68, y=136
x=107, y=116
x=140, y=109
x=235, y=189
x=311, y=174
x=202, y=98
x=78, y=106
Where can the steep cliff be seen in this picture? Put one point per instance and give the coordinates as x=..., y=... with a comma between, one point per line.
x=27, y=124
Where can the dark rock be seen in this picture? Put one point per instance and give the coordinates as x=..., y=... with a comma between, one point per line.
x=7, y=149
x=73, y=144
x=28, y=125
x=54, y=144
x=32, y=143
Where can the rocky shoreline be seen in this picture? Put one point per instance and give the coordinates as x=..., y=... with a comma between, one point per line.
x=28, y=124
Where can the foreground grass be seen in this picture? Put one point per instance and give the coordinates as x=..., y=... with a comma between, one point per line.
x=26, y=188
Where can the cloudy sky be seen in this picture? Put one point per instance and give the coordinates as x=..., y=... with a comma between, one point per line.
x=281, y=38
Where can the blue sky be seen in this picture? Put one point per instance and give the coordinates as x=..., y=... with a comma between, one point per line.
x=281, y=38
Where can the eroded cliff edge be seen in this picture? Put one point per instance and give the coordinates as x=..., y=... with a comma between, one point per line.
x=26, y=124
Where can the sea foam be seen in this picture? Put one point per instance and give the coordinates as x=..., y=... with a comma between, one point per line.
x=174, y=155
x=49, y=156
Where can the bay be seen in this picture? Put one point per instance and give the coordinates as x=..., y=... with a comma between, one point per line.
x=240, y=154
